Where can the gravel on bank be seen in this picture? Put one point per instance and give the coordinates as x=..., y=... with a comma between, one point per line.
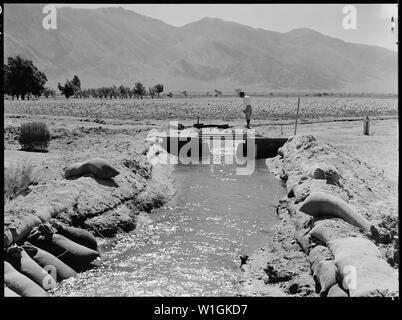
x=287, y=266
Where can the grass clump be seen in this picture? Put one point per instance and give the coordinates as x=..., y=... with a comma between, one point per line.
x=34, y=136
x=17, y=179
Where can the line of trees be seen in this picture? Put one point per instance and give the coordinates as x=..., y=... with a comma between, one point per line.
x=73, y=88
x=22, y=79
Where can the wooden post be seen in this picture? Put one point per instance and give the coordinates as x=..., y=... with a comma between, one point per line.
x=281, y=130
x=366, y=126
x=297, y=114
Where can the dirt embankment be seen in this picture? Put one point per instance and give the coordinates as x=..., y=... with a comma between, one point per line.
x=312, y=246
x=104, y=207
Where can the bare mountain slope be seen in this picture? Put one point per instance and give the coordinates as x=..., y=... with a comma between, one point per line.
x=113, y=46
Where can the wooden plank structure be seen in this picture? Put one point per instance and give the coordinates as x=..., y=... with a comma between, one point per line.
x=263, y=147
x=219, y=126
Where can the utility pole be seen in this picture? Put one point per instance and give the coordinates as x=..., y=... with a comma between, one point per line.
x=297, y=114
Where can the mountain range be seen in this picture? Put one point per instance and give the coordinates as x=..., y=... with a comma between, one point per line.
x=109, y=46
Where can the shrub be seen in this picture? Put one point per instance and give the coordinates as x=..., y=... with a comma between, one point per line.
x=17, y=179
x=34, y=136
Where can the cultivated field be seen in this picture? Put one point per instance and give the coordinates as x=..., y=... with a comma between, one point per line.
x=121, y=116
x=226, y=108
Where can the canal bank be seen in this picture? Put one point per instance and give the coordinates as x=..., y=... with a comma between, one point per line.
x=104, y=207
x=322, y=245
x=284, y=267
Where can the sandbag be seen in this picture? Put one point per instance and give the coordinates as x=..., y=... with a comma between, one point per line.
x=10, y=293
x=45, y=212
x=50, y=262
x=8, y=237
x=320, y=204
x=366, y=276
x=99, y=167
x=353, y=246
x=291, y=182
x=21, y=284
x=281, y=152
x=71, y=253
x=337, y=291
x=324, y=276
x=304, y=240
x=24, y=264
x=78, y=235
x=322, y=170
x=289, y=188
x=20, y=225
x=323, y=234
x=303, y=190
x=317, y=254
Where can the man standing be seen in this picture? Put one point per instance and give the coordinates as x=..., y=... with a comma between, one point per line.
x=247, y=107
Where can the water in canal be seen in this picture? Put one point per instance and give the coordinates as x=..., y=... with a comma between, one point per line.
x=191, y=246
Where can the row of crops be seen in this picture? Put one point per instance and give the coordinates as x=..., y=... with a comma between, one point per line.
x=208, y=108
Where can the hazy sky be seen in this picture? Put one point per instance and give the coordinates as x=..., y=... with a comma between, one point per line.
x=373, y=20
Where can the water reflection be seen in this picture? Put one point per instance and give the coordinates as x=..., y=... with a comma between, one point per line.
x=191, y=246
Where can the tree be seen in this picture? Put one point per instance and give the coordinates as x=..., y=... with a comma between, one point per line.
x=123, y=92
x=184, y=93
x=152, y=92
x=103, y=92
x=68, y=89
x=170, y=94
x=46, y=92
x=22, y=78
x=6, y=81
x=49, y=92
x=113, y=92
x=158, y=88
x=130, y=92
x=94, y=93
x=86, y=93
x=217, y=92
x=139, y=89
x=76, y=83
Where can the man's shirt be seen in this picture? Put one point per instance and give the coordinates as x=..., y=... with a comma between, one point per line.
x=247, y=105
x=247, y=101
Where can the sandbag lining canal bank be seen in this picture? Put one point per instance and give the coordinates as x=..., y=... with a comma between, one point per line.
x=102, y=206
x=301, y=242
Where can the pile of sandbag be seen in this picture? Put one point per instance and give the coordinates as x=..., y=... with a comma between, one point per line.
x=53, y=252
x=342, y=262
x=320, y=182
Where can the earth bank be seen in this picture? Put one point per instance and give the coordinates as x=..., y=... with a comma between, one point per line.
x=106, y=207
x=286, y=265
x=102, y=206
